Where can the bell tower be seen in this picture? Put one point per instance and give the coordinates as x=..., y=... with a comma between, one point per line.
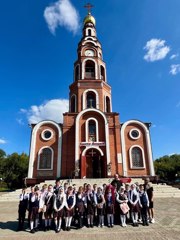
x=90, y=73
x=91, y=131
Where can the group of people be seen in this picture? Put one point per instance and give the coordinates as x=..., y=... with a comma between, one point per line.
x=62, y=205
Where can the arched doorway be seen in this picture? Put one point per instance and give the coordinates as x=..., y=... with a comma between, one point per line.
x=94, y=164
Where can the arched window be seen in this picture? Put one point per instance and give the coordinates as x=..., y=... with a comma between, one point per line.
x=137, y=158
x=77, y=73
x=89, y=32
x=102, y=73
x=45, y=159
x=92, y=131
x=108, y=108
x=91, y=100
x=89, y=69
x=73, y=103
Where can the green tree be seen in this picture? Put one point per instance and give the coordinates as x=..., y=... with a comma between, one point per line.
x=168, y=167
x=14, y=169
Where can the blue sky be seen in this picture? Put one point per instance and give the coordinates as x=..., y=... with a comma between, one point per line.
x=141, y=46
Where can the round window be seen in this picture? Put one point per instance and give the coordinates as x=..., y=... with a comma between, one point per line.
x=47, y=134
x=134, y=133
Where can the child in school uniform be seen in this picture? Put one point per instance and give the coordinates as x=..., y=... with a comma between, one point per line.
x=23, y=203
x=109, y=203
x=69, y=207
x=144, y=204
x=79, y=208
x=128, y=215
x=58, y=206
x=122, y=199
x=49, y=208
x=90, y=204
x=34, y=198
x=100, y=206
x=43, y=193
x=133, y=197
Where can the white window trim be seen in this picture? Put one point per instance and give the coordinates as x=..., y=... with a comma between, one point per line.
x=90, y=41
x=83, y=67
x=130, y=157
x=148, y=142
x=78, y=65
x=93, y=33
x=33, y=147
x=131, y=136
x=73, y=95
x=85, y=98
x=87, y=129
x=104, y=72
x=52, y=159
x=105, y=103
x=42, y=134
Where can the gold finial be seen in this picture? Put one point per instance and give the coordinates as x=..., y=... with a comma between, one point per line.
x=88, y=6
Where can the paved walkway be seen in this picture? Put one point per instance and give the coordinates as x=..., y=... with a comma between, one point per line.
x=167, y=226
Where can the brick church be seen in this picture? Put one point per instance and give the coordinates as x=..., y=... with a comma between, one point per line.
x=91, y=142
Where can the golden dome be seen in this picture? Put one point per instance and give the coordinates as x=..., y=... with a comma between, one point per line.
x=89, y=19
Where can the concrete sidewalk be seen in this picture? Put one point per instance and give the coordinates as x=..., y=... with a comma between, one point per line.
x=167, y=226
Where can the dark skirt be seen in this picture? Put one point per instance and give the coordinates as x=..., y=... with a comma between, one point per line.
x=100, y=211
x=110, y=209
x=90, y=209
x=33, y=213
x=49, y=211
x=151, y=204
x=80, y=207
x=135, y=208
x=59, y=214
x=69, y=213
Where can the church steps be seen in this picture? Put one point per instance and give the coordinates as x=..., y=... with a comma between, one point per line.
x=160, y=191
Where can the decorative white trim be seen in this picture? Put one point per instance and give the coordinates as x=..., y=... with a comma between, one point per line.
x=94, y=147
x=78, y=65
x=45, y=130
x=86, y=41
x=105, y=103
x=77, y=140
x=73, y=95
x=85, y=98
x=130, y=157
x=137, y=130
x=52, y=158
x=87, y=129
x=33, y=147
x=149, y=150
x=83, y=67
x=93, y=33
x=105, y=80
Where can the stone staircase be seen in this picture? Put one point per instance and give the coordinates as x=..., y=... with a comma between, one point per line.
x=160, y=191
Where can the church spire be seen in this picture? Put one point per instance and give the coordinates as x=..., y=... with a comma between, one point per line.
x=89, y=18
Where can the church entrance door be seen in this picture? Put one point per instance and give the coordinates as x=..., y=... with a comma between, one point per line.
x=94, y=164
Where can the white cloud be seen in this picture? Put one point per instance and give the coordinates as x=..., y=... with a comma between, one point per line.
x=156, y=50
x=50, y=110
x=2, y=141
x=174, y=56
x=20, y=121
x=22, y=110
x=175, y=69
x=62, y=13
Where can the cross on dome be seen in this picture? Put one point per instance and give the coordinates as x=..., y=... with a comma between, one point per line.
x=88, y=6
